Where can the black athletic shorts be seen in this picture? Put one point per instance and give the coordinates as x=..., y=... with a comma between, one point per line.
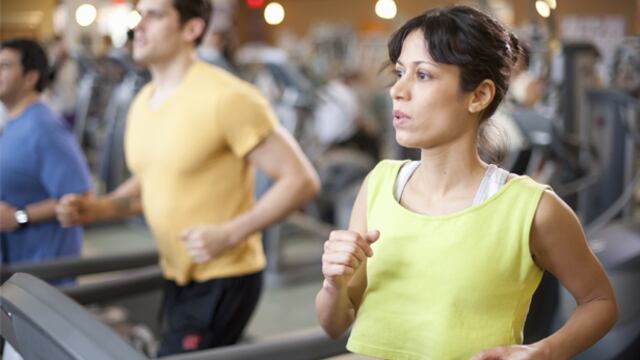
x=208, y=314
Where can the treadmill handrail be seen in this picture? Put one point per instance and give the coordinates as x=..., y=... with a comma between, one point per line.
x=305, y=344
x=71, y=267
x=135, y=282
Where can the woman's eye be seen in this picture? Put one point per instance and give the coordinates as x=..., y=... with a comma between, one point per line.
x=423, y=75
x=398, y=73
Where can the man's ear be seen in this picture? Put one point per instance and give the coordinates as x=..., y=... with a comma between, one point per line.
x=31, y=79
x=482, y=96
x=193, y=28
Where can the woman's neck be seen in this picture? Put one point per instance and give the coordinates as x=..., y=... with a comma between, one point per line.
x=453, y=169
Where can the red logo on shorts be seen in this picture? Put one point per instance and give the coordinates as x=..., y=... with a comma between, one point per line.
x=191, y=342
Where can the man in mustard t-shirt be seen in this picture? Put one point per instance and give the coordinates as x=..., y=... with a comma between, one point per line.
x=194, y=135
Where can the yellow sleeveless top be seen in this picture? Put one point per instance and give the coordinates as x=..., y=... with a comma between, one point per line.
x=446, y=287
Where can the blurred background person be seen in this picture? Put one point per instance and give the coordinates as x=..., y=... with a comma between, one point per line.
x=219, y=42
x=63, y=76
x=40, y=161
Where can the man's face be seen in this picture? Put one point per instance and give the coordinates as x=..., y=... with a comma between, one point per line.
x=158, y=35
x=12, y=78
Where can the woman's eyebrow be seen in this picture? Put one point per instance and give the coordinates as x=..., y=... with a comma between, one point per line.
x=418, y=62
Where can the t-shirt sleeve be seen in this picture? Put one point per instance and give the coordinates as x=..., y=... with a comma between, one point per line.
x=63, y=168
x=246, y=118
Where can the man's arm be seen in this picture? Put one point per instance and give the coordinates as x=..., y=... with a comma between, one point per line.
x=37, y=212
x=123, y=202
x=295, y=182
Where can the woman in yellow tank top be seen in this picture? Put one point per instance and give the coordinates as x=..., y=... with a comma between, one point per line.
x=430, y=274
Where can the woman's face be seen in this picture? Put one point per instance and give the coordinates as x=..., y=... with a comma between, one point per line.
x=429, y=109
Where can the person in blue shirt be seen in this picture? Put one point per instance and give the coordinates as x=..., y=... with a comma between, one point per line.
x=40, y=161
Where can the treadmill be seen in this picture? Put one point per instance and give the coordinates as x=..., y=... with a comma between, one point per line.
x=42, y=323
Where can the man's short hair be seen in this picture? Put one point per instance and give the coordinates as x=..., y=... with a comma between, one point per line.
x=32, y=58
x=189, y=9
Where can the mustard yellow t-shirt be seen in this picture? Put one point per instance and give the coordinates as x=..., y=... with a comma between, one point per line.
x=188, y=156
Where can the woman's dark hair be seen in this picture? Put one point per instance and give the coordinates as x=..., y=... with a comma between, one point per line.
x=479, y=45
x=189, y=9
x=32, y=58
x=525, y=54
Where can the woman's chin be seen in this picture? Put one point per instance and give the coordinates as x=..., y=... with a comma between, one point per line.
x=407, y=141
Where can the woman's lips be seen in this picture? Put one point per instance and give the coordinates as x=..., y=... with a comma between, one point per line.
x=399, y=118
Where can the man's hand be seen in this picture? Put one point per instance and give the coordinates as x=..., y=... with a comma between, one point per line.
x=207, y=242
x=344, y=252
x=76, y=209
x=514, y=352
x=8, y=221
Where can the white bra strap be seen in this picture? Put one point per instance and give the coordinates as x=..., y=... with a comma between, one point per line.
x=481, y=194
x=404, y=174
x=494, y=178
